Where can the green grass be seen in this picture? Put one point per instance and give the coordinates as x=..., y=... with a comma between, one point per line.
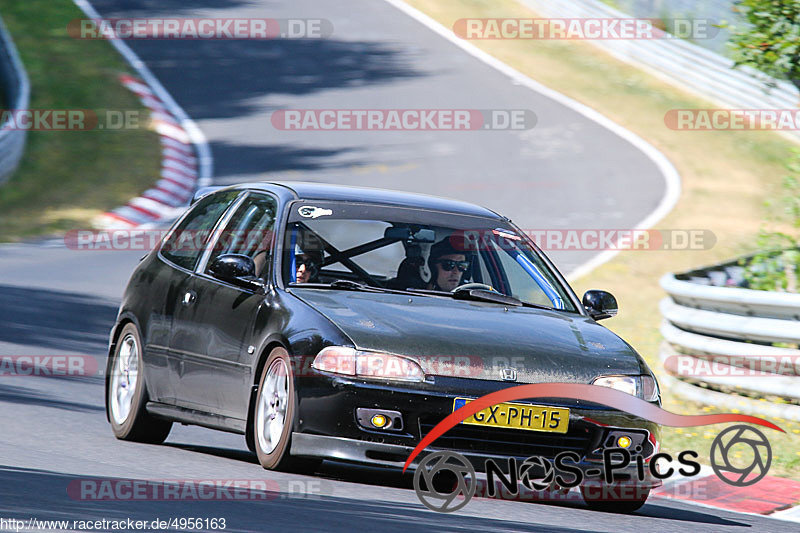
x=66, y=178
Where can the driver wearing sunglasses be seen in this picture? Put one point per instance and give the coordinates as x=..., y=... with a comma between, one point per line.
x=447, y=265
x=307, y=265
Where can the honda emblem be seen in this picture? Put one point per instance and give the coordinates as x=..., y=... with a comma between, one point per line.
x=509, y=374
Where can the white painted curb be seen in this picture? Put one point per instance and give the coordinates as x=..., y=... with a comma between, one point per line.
x=181, y=139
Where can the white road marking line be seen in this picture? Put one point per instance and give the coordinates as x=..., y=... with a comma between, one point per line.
x=668, y=171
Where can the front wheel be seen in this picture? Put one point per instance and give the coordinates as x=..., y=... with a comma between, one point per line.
x=274, y=416
x=127, y=393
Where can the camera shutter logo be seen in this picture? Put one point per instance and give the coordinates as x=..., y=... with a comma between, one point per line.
x=733, y=437
x=447, y=500
x=537, y=473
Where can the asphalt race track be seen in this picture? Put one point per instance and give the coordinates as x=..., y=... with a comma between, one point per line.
x=567, y=172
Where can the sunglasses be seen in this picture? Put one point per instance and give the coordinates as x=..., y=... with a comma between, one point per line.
x=448, y=265
x=309, y=263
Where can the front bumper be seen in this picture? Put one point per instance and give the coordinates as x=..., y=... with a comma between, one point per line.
x=394, y=456
x=327, y=426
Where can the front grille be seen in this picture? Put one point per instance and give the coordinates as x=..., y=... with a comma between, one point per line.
x=510, y=442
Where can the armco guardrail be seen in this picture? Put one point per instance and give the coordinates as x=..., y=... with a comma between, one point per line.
x=680, y=62
x=16, y=90
x=702, y=321
x=715, y=11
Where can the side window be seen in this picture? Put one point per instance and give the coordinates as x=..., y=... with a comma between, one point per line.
x=187, y=242
x=250, y=232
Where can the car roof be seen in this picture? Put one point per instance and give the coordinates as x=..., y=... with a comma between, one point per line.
x=347, y=193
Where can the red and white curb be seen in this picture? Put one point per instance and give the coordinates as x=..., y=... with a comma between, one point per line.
x=186, y=156
x=772, y=496
x=171, y=194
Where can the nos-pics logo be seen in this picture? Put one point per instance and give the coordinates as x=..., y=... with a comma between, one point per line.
x=446, y=481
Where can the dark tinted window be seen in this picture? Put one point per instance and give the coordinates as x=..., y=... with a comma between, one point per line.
x=187, y=242
x=249, y=231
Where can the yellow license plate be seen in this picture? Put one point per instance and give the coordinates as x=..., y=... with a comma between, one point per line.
x=518, y=416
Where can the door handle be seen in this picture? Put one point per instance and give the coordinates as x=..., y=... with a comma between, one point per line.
x=189, y=297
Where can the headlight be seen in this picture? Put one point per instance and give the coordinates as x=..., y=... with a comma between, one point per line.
x=644, y=387
x=352, y=362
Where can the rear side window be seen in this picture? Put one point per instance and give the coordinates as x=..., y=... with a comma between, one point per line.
x=188, y=241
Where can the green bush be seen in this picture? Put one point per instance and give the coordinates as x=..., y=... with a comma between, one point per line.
x=777, y=266
x=770, y=42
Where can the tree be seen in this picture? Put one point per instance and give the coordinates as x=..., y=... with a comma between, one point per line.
x=770, y=39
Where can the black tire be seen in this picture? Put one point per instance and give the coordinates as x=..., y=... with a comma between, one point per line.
x=279, y=458
x=137, y=425
x=619, y=505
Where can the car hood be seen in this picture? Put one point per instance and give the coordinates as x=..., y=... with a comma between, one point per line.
x=476, y=339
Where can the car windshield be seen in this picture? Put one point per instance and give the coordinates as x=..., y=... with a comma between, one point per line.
x=382, y=247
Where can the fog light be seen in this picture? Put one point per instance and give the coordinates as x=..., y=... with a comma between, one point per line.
x=381, y=419
x=624, y=442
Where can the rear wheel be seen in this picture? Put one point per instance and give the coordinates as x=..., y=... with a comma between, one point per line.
x=274, y=416
x=127, y=393
x=622, y=499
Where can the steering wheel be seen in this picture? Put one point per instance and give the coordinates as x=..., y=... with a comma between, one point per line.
x=479, y=286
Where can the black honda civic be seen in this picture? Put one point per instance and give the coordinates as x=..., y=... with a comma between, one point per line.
x=332, y=322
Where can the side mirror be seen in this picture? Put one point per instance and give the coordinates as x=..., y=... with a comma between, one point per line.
x=600, y=304
x=236, y=269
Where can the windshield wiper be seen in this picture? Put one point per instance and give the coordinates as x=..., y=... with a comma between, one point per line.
x=538, y=306
x=342, y=284
x=465, y=293
x=482, y=295
x=433, y=292
x=351, y=285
